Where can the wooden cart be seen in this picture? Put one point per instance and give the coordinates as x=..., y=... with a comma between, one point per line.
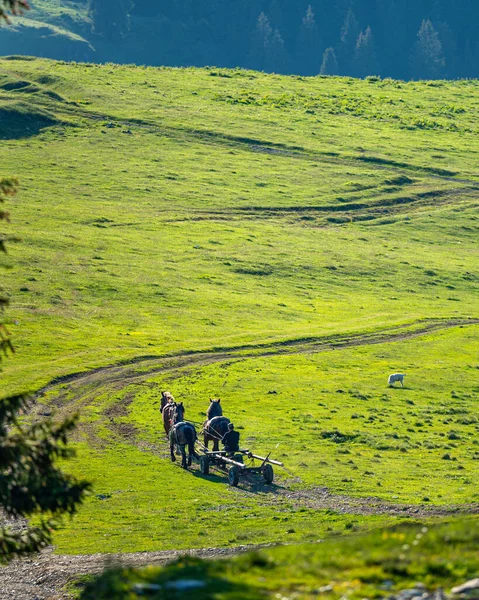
x=235, y=466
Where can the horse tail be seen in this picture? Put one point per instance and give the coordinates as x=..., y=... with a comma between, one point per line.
x=190, y=436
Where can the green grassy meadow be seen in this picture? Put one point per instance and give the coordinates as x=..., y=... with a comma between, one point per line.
x=175, y=213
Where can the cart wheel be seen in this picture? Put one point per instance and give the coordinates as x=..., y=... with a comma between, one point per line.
x=238, y=458
x=233, y=476
x=204, y=465
x=268, y=473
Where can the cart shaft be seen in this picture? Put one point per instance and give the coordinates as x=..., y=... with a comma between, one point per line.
x=267, y=460
x=231, y=462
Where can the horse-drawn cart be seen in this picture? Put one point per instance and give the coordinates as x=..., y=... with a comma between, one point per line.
x=235, y=465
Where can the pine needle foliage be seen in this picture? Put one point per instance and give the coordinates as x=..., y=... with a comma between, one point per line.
x=14, y=7
x=30, y=482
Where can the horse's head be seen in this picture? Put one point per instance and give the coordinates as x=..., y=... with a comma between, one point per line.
x=179, y=413
x=214, y=409
x=164, y=400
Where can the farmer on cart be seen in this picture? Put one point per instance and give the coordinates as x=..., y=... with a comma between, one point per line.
x=231, y=439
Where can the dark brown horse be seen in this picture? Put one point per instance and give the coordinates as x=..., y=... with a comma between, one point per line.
x=214, y=429
x=216, y=425
x=182, y=433
x=214, y=409
x=167, y=414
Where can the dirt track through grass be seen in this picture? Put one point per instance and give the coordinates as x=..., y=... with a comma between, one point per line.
x=83, y=387
x=176, y=135
x=127, y=371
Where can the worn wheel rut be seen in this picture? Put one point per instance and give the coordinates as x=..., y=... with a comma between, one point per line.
x=141, y=367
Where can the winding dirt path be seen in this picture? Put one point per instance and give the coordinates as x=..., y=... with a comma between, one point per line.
x=143, y=366
x=76, y=390
x=44, y=576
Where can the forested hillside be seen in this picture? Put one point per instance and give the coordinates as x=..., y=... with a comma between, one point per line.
x=403, y=39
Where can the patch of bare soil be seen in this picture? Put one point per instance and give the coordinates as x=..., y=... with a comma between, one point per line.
x=320, y=498
x=45, y=575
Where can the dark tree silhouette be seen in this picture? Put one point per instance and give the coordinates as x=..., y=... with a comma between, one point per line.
x=30, y=483
x=260, y=42
x=329, y=65
x=110, y=18
x=365, y=60
x=308, y=45
x=349, y=35
x=276, y=55
x=427, y=60
x=229, y=33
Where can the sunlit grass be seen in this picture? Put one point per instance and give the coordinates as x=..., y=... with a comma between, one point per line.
x=177, y=210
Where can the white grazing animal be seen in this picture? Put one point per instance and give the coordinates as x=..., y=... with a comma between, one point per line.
x=396, y=377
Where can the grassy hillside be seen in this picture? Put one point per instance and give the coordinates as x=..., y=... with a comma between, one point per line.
x=283, y=243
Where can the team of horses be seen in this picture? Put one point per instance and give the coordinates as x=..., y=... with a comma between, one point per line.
x=182, y=434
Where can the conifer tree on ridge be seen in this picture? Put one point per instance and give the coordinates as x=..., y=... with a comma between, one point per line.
x=329, y=65
x=365, y=61
x=308, y=45
x=427, y=60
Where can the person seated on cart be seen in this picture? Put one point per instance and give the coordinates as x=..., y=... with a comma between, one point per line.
x=231, y=439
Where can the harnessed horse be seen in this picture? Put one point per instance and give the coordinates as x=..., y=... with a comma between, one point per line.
x=167, y=415
x=166, y=398
x=215, y=429
x=215, y=425
x=182, y=433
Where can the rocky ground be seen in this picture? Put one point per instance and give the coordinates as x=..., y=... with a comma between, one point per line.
x=44, y=576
